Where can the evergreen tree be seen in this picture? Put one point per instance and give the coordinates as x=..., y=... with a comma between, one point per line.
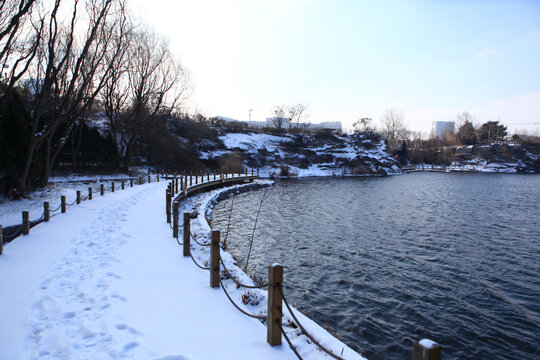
x=491, y=131
x=466, y=134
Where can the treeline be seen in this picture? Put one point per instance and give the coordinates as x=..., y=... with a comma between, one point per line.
x=66, y=62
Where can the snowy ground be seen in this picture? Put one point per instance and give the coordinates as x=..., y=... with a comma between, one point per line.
x=106, y=280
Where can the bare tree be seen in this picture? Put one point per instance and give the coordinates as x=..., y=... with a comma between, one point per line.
x=279, y=116
x=363, y=124
x=67, y=71
x=143, y=91
x=297, y=114
x=393, y=127
x=13, y=15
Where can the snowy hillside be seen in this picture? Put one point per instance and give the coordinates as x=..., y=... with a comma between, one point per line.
x=322, y=154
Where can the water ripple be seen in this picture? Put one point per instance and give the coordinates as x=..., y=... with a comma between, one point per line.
x=384, y=262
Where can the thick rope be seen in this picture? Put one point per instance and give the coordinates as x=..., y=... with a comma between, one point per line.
x=13, y=234
x=293, y=348
x=304, y=330
x=58, y=208
x=73, y=203
x=196, y=263
x=201, y=244
x=260, y=317
x=239, y=283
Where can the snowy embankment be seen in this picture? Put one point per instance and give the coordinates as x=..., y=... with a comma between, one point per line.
x=106, y=280
x=309, y=154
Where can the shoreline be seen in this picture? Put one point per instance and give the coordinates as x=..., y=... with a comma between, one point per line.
x=203, y=204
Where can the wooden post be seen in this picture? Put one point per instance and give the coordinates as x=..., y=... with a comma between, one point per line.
x=130, y=182
x=168, y=206
x=426, y=350
x=251, y=171
x=214, y=260
x=246, y=171
x=196, y=179
x=157, y=179
x=257, y=172
x=25, y=223
x=1, y=241
x=140, y=180
x=78, y=196
x=187, y=233
x=175, y=220
x=46, y=211
x=214, y=175
x=275, y=279
x=63, y=203
x=190, y=180
x=177, y=180
x=112, y=186
x=208, y=176
x=102, y=189
x=149, y=180
x=123, y=184
x=89, y=193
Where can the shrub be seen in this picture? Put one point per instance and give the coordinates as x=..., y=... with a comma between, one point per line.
x=231, y=163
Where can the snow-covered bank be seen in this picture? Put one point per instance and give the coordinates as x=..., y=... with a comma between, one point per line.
x=307, y=154
x=107, y=281
x=254, y=301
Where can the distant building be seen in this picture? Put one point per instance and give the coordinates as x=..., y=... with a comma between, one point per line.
x=438, y=128
x=330, y=125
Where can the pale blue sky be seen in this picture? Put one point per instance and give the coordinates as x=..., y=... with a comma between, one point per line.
x=353, y=59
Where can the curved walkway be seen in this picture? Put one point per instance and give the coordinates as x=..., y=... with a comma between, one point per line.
x=108, y=281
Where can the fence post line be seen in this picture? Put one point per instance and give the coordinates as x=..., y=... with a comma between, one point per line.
x=187, y=233
x=251, y=171
x=169, y=206
x=46, y=211
x=190, y=179
x=1, y=241
x=157, y=177
x=175, y=220
x=177, y=180
x=149, y=179
x=208, y=176
x=78, y=196
x=426, y=350
x=63, y=203
x=130, y=182
x=196, y=179
x=25, y=223
x=246, y=171
x=275, y=309
x=102, y=189
x=89, y=193
x=214, y=260
x=112, y=188
x=123, y=184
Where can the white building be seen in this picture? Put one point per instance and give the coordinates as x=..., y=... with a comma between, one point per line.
x=438, y=128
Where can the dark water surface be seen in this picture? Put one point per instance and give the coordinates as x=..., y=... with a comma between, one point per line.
x=383, y=262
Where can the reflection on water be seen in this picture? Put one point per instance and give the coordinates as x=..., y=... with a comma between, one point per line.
x=383, y=262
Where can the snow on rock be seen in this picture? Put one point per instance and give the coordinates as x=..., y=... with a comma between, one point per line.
x=309, y=154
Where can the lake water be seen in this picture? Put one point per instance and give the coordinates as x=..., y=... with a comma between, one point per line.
x=383, y=262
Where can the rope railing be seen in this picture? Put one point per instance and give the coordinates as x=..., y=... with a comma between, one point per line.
x=238, y=282
x=198, y=243
x=196, y=263
x=293, y=348
x=27, y=224
x=260, y=317
x=329, y=352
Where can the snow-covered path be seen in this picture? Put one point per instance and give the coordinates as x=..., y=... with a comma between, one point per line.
x=107, y=281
